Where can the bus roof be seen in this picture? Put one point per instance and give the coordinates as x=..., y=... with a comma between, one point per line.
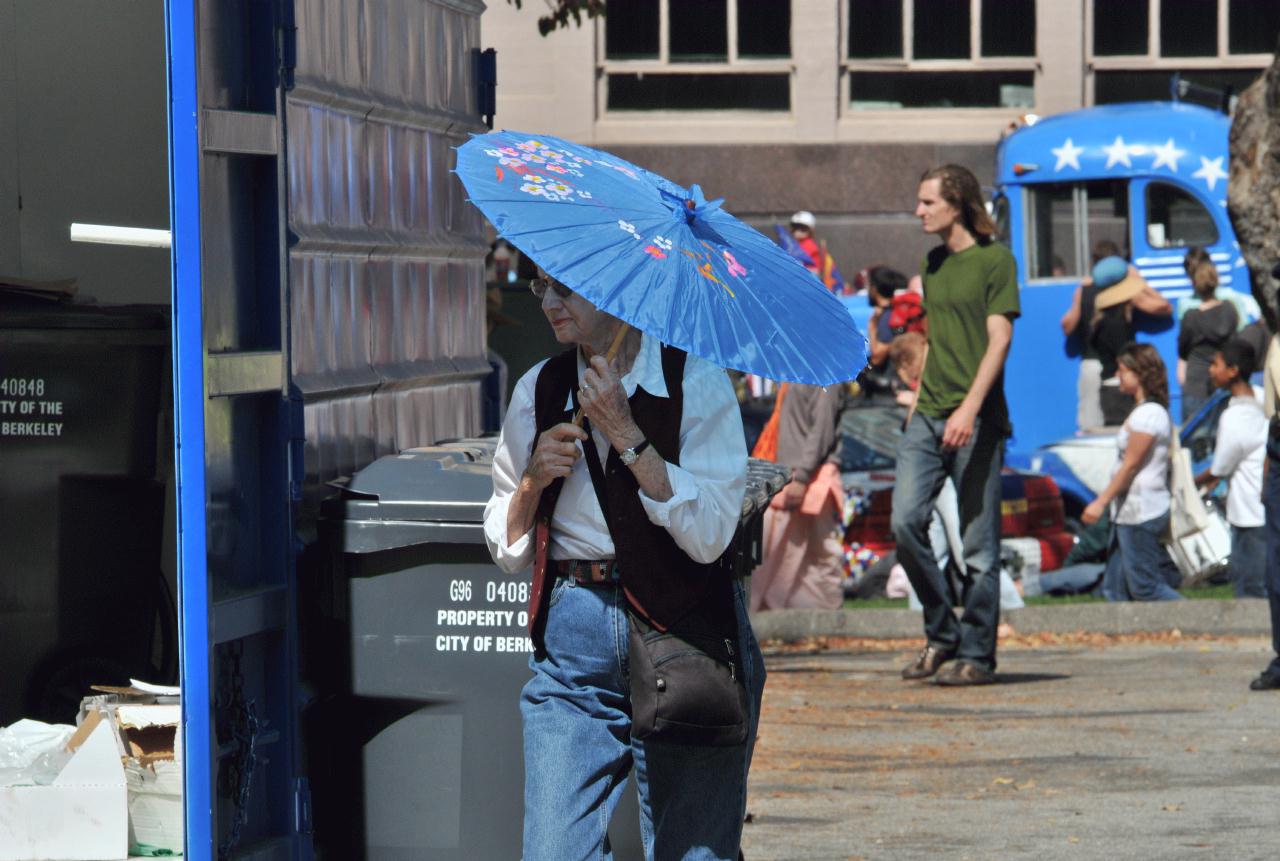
x=1167, y=139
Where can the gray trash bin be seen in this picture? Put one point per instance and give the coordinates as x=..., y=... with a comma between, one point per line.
x=418, y=658
x=415, y=751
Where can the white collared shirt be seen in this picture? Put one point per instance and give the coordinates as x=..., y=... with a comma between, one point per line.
x=707, y=486
x=1239, y=455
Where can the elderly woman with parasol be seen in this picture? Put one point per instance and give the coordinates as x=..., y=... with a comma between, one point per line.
x=619, y=476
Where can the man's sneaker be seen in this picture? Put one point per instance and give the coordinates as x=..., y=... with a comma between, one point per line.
x=1265, y=682
x=927, y=663
x=963, y=674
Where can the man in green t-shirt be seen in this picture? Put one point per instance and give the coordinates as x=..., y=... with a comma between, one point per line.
x=958, y=427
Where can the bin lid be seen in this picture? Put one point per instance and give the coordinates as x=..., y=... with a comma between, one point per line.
x=451, y=483
x=442, y=483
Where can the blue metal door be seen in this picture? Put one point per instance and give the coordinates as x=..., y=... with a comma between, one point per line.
x=328, y=290
x=229, y=66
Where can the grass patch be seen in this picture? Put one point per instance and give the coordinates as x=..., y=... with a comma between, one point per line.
x=1055, y=600
x=876, y=604
x=1222, y=592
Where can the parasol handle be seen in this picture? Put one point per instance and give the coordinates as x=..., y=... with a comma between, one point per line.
x=613, y=351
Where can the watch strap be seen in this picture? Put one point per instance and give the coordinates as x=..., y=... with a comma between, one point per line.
x=631, y=455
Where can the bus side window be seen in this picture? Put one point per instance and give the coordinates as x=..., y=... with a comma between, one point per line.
x=1066, y=222
x=1051, y=231
x=1107, y=215
x=1175, y=219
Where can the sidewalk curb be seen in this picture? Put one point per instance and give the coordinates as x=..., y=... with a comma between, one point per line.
x=1249, y=617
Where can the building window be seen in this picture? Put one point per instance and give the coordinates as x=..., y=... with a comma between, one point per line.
x=1138, y=45
x=1113, y=85
x=940, y=54
x=696, y=55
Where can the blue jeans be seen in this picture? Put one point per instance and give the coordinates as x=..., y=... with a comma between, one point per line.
x=923, y=466
x=1079, y=579
x=1138, y=565
x=1249, y=561
x=578, y=751
x=1271, y=501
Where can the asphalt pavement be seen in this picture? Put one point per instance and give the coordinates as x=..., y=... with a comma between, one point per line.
x=1137, y=746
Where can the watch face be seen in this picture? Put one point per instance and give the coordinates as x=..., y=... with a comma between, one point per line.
x=628, y=457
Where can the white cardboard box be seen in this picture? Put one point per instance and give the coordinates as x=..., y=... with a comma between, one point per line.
x=82, y=816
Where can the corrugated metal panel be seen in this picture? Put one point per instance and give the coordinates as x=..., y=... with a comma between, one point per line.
x=387, y=291
x=379, y=337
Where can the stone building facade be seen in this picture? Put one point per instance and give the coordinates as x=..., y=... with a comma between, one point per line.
x=837, y=106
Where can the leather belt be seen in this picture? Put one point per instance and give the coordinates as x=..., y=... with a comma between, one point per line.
x=586, y=570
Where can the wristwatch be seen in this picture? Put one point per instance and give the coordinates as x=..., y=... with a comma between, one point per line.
x=629, y=456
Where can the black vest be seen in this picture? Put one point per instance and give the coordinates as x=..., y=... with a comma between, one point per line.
x=662, y=584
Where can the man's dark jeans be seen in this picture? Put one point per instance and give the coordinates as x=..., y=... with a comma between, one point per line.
x=1271, y=500
x=923, y=466
x=1249, y=561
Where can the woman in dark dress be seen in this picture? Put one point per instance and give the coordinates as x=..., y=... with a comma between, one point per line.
x=1203, y=332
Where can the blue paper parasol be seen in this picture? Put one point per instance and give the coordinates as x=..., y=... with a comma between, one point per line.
x=661, y=257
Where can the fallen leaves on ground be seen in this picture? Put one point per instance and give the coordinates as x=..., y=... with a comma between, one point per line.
x=1015, y=640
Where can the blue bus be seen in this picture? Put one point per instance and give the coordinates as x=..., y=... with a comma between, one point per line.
x=1152, y=178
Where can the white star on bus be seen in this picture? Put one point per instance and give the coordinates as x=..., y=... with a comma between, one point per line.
x=1068, y=155
x=1119, y=152
x=1210, y=171
x=1167, y=155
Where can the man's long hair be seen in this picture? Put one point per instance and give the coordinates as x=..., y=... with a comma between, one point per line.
x=959, y=187
x=1144, y=361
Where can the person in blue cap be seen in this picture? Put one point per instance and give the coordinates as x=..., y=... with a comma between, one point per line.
x=1079, y=322
x=1120, y=288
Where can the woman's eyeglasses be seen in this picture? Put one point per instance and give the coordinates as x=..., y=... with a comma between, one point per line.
x=539, y=287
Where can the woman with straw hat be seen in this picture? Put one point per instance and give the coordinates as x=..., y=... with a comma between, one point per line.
x=1112, y=329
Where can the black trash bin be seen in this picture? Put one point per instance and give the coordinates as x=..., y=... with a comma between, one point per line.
x=83, y=392
x=418, y=650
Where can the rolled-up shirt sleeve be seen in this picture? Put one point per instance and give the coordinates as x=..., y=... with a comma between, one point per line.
x=515, y=446
x=708, y=485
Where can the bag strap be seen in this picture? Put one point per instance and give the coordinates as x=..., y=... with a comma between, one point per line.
x=1175, y=446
